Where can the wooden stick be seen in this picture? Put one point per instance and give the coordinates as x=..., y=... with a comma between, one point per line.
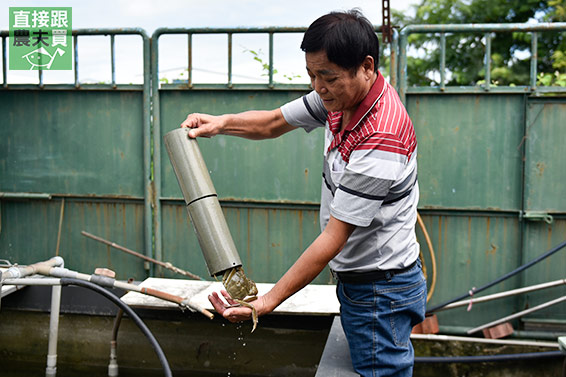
x=167, y=265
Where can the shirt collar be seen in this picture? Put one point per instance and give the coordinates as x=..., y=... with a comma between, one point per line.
x=335, y=118
x=368, y=102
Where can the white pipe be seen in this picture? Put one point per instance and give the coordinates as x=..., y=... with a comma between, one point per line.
x=519, y=314
x=483, y=340
x=504, y=294
x=113, y=364
x=41, y=268
x=32, y=281
x=51, y=370
x=66, y=273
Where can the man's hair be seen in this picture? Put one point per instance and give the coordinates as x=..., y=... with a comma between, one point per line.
x=346, y=37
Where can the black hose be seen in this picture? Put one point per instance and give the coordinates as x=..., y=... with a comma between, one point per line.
x=129, y=311
x=499, y=280
x=488, y=358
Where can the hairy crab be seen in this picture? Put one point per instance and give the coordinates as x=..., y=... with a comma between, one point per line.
x=241, y=289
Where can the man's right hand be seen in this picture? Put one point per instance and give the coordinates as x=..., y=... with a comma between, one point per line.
x=203, y=125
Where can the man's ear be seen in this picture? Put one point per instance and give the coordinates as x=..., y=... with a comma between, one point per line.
x=368, y=66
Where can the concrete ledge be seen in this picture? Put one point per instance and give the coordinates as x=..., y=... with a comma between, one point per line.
x=312, y=300
x=335, y=360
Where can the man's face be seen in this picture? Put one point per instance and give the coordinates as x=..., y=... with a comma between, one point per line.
x=339, y=89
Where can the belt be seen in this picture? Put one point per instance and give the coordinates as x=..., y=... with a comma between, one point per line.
x=370, y=276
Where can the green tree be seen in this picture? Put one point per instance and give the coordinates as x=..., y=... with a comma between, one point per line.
x=510, y=60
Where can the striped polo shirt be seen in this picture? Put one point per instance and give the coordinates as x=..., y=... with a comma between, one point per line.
x=369, y=177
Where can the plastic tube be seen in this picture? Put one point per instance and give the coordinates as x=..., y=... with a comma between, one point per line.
x=15, y=272
x=113, y=363
x=499, y=295
x=502, y=278
x=51, y=369
x=469, y=339
x=519, y=314
x=110, y=282
x=207, y=218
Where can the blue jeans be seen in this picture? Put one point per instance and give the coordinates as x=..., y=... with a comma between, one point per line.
x=378, y=317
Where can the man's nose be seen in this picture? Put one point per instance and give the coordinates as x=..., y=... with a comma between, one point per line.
x=318, y=86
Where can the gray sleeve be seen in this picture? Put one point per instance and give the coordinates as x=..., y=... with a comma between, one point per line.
x=306, y=112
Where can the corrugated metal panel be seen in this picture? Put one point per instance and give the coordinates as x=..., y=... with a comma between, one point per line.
x=72, y=142
x=540, y=237
x=75, y=144
x=286, y=169
x=471, y=250
x=545, y=174
x=469, y=150
x=30, y=228
x=545, y=170
x=269, y=240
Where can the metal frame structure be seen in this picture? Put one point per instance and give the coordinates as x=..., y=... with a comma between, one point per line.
x=488, y=30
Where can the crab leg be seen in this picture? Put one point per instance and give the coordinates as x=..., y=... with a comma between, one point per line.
x=254, y=312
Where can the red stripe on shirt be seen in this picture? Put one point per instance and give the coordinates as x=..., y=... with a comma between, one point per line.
x=386, y=126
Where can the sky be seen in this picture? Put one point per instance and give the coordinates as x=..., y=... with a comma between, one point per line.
x=210, y=56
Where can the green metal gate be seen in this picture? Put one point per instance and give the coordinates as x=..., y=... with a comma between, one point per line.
x=88, y=157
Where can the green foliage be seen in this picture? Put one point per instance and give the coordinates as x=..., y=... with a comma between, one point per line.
x=465, y=52
x=552, y=79
x=257, y=56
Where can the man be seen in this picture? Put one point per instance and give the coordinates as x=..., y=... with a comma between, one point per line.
x=369, y=194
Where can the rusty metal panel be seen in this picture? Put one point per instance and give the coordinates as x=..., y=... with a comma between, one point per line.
x=287, y=169
x=472, y=249
x=544, y=193
x=469, y=151
x=268, y=239
x=30, y=229
x=540, y=237
x=72, y=142
x=545, y=170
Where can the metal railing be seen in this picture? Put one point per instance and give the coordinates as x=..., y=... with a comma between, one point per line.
x=77, y=84
x=488, y=30
x=229, y=32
